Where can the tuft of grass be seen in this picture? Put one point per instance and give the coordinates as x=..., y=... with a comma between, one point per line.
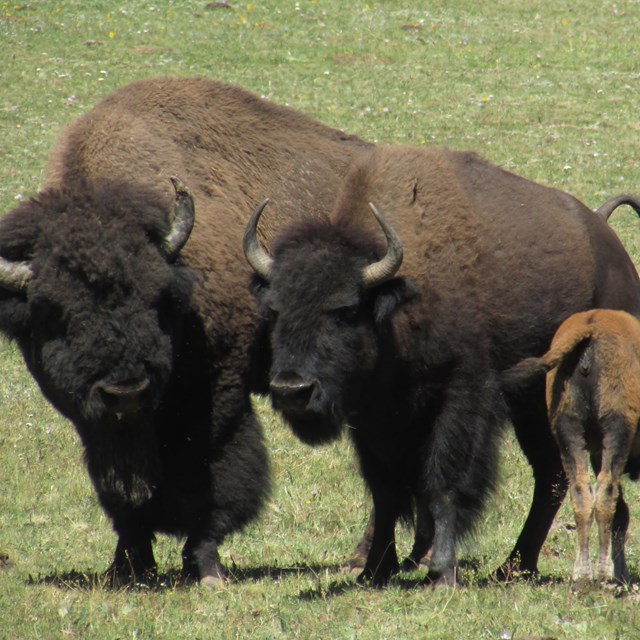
x=545, y=90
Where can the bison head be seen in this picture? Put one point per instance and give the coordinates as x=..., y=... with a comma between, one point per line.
x=89, y=291
x=329, y=296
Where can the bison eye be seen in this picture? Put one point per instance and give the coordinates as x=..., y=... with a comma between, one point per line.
x=345, y=315
x=50, y=318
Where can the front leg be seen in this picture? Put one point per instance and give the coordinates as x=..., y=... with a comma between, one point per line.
x=442, y=566
x=133, y=561
x=382, y=561
x=201, y=561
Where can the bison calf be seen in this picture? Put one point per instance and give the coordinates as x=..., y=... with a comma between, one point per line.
x=593, y=400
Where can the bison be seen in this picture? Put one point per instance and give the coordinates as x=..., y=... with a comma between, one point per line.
x=136, y=322
x=593, y=399
x=410, y=358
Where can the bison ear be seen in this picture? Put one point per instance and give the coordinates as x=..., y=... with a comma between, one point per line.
x=390, y=295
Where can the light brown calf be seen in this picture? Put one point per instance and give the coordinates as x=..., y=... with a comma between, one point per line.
x=593, y=400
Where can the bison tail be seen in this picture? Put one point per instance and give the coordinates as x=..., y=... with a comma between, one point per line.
x=605, y=210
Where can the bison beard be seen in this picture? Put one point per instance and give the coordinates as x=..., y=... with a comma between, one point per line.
x=136, y=324
x=497, y=263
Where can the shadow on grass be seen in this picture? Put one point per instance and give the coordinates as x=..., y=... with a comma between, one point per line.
x=173, y=579
x=344, y=580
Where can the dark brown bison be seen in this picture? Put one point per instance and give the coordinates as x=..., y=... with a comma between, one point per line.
x=136, y=323
x=593, y=400
x=410, y=358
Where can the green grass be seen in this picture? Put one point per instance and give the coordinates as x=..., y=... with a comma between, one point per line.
x=547, y=90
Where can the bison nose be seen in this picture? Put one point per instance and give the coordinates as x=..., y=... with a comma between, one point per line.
x=124, y=397
x=290, y=392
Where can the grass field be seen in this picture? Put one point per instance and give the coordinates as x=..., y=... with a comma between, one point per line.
x=547, y=91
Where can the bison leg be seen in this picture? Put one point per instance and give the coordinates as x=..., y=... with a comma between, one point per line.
x=201, y=561
x=442, y=565
x=575, y=461
x=359, y=557
x=382, y=561
x=133, y=561
x=422, y=541
x=419, y=553
x=534, y=436
x=610, y=508
x=618, y=537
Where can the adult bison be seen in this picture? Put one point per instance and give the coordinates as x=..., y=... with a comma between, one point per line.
x=136, y=323
x=410, y=359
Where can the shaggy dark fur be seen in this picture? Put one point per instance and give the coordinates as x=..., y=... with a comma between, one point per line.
x=593, y=398
x=106, y=307
x=497, y=262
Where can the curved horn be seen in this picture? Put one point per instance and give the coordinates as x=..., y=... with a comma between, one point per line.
x=257, y=257
x=14, y=276
x=383, y=270
x=182, y=222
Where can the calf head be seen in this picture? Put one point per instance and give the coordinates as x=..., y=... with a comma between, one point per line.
x=329, y=296
x=89, y=292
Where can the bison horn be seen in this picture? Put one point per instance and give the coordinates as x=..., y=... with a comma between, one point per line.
x=257, y=257
x=14, y=276
x=386, y=267
x=182, y=222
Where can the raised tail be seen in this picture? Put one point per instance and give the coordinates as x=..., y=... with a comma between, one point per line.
x=605, y=210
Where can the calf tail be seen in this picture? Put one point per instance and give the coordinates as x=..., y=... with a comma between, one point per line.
x=605, y=210
x=530, y=370
x=524, y=374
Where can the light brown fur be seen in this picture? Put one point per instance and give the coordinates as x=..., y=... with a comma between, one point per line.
x=593, y=399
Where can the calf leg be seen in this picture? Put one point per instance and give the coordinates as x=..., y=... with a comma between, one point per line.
x=575, y=460
x=616, y=445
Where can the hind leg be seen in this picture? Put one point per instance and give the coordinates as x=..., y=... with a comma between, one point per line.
x=529, y=417
x=611, y=512
x=421, y=545
x=569, y=432
x=359, y=557
x=423, y=538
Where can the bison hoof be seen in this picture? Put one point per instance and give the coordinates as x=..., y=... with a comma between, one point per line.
x=377, y=578
x=118, y=578
x=512, y=571
x=446, y=578
x=214, y=582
